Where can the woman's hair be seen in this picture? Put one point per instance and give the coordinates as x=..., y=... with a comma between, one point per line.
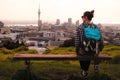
x=89, y=14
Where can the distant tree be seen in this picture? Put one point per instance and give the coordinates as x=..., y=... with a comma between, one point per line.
x=68, y=43
x=1, y=24
x=9, y=44
x=16, y=44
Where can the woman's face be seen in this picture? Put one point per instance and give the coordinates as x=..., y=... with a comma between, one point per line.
x=84, y=18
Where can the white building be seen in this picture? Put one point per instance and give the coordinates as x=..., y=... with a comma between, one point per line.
x=57, y=22
x=5, y=30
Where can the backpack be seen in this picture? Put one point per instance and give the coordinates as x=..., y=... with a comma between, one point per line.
x=91, y=34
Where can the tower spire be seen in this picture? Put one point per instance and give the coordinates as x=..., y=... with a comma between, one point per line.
x=39, y=21
x=39, y=10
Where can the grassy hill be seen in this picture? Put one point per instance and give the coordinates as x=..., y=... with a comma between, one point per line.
x=111, y=50
x=57, y=70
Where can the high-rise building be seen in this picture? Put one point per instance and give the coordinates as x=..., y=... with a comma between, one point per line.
x=57, y=22
x=77, y=23
x=39, y=21
x=70, y=21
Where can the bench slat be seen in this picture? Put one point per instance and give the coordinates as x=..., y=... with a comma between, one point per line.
x=58, y=57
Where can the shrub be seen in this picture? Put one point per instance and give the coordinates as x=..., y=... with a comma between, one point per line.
x=47, y=52
x=6, y=51
x=68, y=43
x=61, y=50
x=21, y=48
x=32, y=51
x=10, y=44
x=116, y=59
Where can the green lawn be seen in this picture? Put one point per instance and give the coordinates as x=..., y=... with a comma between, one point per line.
x=57, y=70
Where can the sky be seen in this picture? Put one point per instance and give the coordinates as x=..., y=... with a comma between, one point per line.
x=106, y=11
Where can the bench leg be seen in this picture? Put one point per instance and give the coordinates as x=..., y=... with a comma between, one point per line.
x=96, y=68
x=30, y=75
x=27, y=63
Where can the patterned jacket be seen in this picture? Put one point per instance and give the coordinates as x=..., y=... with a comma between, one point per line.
x=80, y=40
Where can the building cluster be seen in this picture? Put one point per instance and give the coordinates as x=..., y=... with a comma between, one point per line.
x=49, y=34
x=41, y=36
x=111, y=34
x=52, y=34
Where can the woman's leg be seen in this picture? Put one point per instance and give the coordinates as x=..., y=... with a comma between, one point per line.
x=85, y=65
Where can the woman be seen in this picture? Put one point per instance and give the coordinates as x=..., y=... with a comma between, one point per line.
x=83, y=45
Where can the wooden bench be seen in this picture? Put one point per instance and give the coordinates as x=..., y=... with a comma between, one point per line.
x=28, y=57
x=58, y=57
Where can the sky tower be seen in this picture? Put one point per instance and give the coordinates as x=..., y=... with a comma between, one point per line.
x=39, y=21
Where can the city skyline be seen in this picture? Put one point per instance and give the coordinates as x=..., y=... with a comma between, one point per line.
x=106, y=11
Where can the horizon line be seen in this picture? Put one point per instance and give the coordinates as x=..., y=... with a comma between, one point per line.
x=51, y=21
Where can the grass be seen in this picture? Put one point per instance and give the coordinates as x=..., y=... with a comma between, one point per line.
x=6, y=55
x=61, y=50
x=56, y=70
x=112, y=50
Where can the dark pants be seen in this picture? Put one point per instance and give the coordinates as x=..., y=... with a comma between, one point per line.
x=84, y=65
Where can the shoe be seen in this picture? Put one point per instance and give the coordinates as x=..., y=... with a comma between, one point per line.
x=96, y=68
x=84, y=73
